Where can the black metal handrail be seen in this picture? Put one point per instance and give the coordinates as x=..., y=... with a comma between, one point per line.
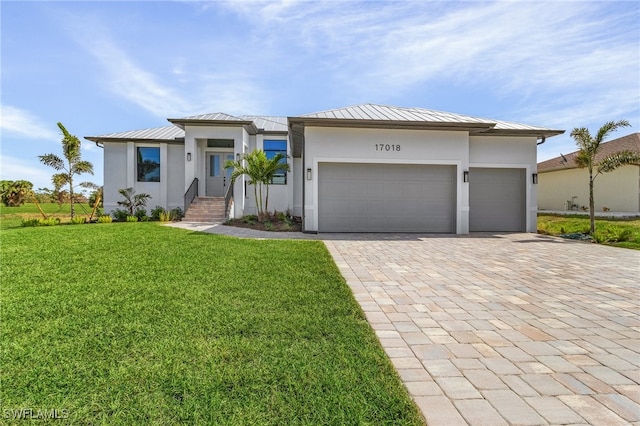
x=228, y=196
x=191, y=194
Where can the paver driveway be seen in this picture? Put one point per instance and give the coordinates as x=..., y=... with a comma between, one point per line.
x=515, y=329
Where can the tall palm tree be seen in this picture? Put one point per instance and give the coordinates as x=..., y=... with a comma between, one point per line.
x=260, y=170
x=588, y=149
x=74, y=164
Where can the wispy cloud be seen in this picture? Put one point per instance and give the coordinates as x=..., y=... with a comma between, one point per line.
x=13, y=168
x=24, y=124
x=517, y=49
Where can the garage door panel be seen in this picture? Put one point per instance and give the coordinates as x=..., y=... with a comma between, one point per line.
x=386, y=198
x=497, y=200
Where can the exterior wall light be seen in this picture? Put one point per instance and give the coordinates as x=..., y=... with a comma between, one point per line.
x=188, y=156
x=308, y=174
x=465, y=176
x=238, y=156
x=534, y=178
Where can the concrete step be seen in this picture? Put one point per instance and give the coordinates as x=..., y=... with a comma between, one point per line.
x=206, y=209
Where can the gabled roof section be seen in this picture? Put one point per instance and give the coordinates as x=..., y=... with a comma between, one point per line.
x=568, y=161
x=372, y=115
x=165, y=133
x=268, y=124
x=214, y=119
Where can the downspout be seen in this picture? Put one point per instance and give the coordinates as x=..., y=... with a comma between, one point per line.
x=543, y=139
x=303, y=176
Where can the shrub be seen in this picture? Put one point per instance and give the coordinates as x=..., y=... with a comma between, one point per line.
x=120, y=215
x=78, y=220
x=141, y=214
x=177, y=214
x=104, y=219
x=29, y=222
x=52, y=221
x=156, y=212
x=612, y=234
x=132, y=219
x=164, y=216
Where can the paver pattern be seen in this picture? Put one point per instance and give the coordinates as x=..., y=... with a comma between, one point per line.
x=506, y=329
x=512, y=329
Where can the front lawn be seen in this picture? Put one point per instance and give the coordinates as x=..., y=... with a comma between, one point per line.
x=608, y=231
x=138, y=323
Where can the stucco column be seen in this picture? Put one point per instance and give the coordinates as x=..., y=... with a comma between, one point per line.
x=190, y=149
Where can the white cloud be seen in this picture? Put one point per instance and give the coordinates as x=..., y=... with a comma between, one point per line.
x=21, y=122
x=14, y=168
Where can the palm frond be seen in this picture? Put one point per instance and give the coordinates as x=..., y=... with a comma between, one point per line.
x=82, y=167
x=610, y=127
x=52, y=160
x=59, y=180
x=618, y=159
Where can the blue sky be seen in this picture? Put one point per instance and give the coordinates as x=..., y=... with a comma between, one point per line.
x=102, y=67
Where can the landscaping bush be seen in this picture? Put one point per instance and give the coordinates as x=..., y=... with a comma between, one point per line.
x=120, y=215
x=156, y=212
x=141, y=214
x=164, y=216
x=132, y=218
x=177, y=214
x=105, y=219
x=78, y=220
x=29, y=222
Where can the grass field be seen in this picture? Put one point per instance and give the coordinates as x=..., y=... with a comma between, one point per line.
x=138, y=323
x=607, y=230
x=12, y=216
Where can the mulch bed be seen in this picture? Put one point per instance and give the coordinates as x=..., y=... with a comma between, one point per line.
x=274, y=223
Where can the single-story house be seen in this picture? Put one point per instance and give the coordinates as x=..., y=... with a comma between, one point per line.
x=364, y=168
x=565, y=186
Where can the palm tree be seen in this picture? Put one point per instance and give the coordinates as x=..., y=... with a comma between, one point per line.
x=588, y=148
x=260, y=170
x=132, y=201
x=74, y=164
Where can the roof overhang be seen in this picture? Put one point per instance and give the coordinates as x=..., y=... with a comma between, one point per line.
x=248, y=125
x=539, y=133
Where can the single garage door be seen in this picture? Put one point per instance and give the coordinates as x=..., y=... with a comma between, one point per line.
x=497, y=200
x=354, y=197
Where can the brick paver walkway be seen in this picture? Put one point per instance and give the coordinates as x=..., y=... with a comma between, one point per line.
x=515, y=329
x=511, y=329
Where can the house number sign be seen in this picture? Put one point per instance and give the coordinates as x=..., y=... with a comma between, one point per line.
x=387, y=147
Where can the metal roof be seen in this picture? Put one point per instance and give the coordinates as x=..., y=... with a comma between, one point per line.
x=165, y=133
x=392, y=113
x=370, y=115
x=216, y=116
x=568, y=161
x=268, y=123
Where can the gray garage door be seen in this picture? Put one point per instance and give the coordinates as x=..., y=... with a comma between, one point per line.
x=386, y=198
x=497, y=200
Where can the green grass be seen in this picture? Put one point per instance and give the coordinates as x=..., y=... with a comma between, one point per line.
x=606, y=229
x=10, y=217
x=137, y=323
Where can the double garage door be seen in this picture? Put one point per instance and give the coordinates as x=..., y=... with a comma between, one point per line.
x=357, y=197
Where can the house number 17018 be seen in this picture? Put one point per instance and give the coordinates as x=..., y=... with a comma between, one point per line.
x=387, y=147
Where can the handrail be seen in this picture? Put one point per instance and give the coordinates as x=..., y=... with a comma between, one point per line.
x=191, y=194
x=228, y=195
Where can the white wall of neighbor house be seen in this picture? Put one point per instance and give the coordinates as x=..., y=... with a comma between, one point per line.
x=509, y=152
x=618, y=191
x=349, y=145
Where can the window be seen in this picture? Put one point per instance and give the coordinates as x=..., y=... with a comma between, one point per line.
x=220, y=143
x=271, y=148
x=148, y=164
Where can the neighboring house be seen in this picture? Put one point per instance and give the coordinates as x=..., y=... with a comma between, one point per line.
x=565, y=186
x=355, y=169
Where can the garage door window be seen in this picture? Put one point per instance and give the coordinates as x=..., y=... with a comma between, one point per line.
x=271, y=149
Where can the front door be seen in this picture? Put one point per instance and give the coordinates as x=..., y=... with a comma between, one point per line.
x=217, y=177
